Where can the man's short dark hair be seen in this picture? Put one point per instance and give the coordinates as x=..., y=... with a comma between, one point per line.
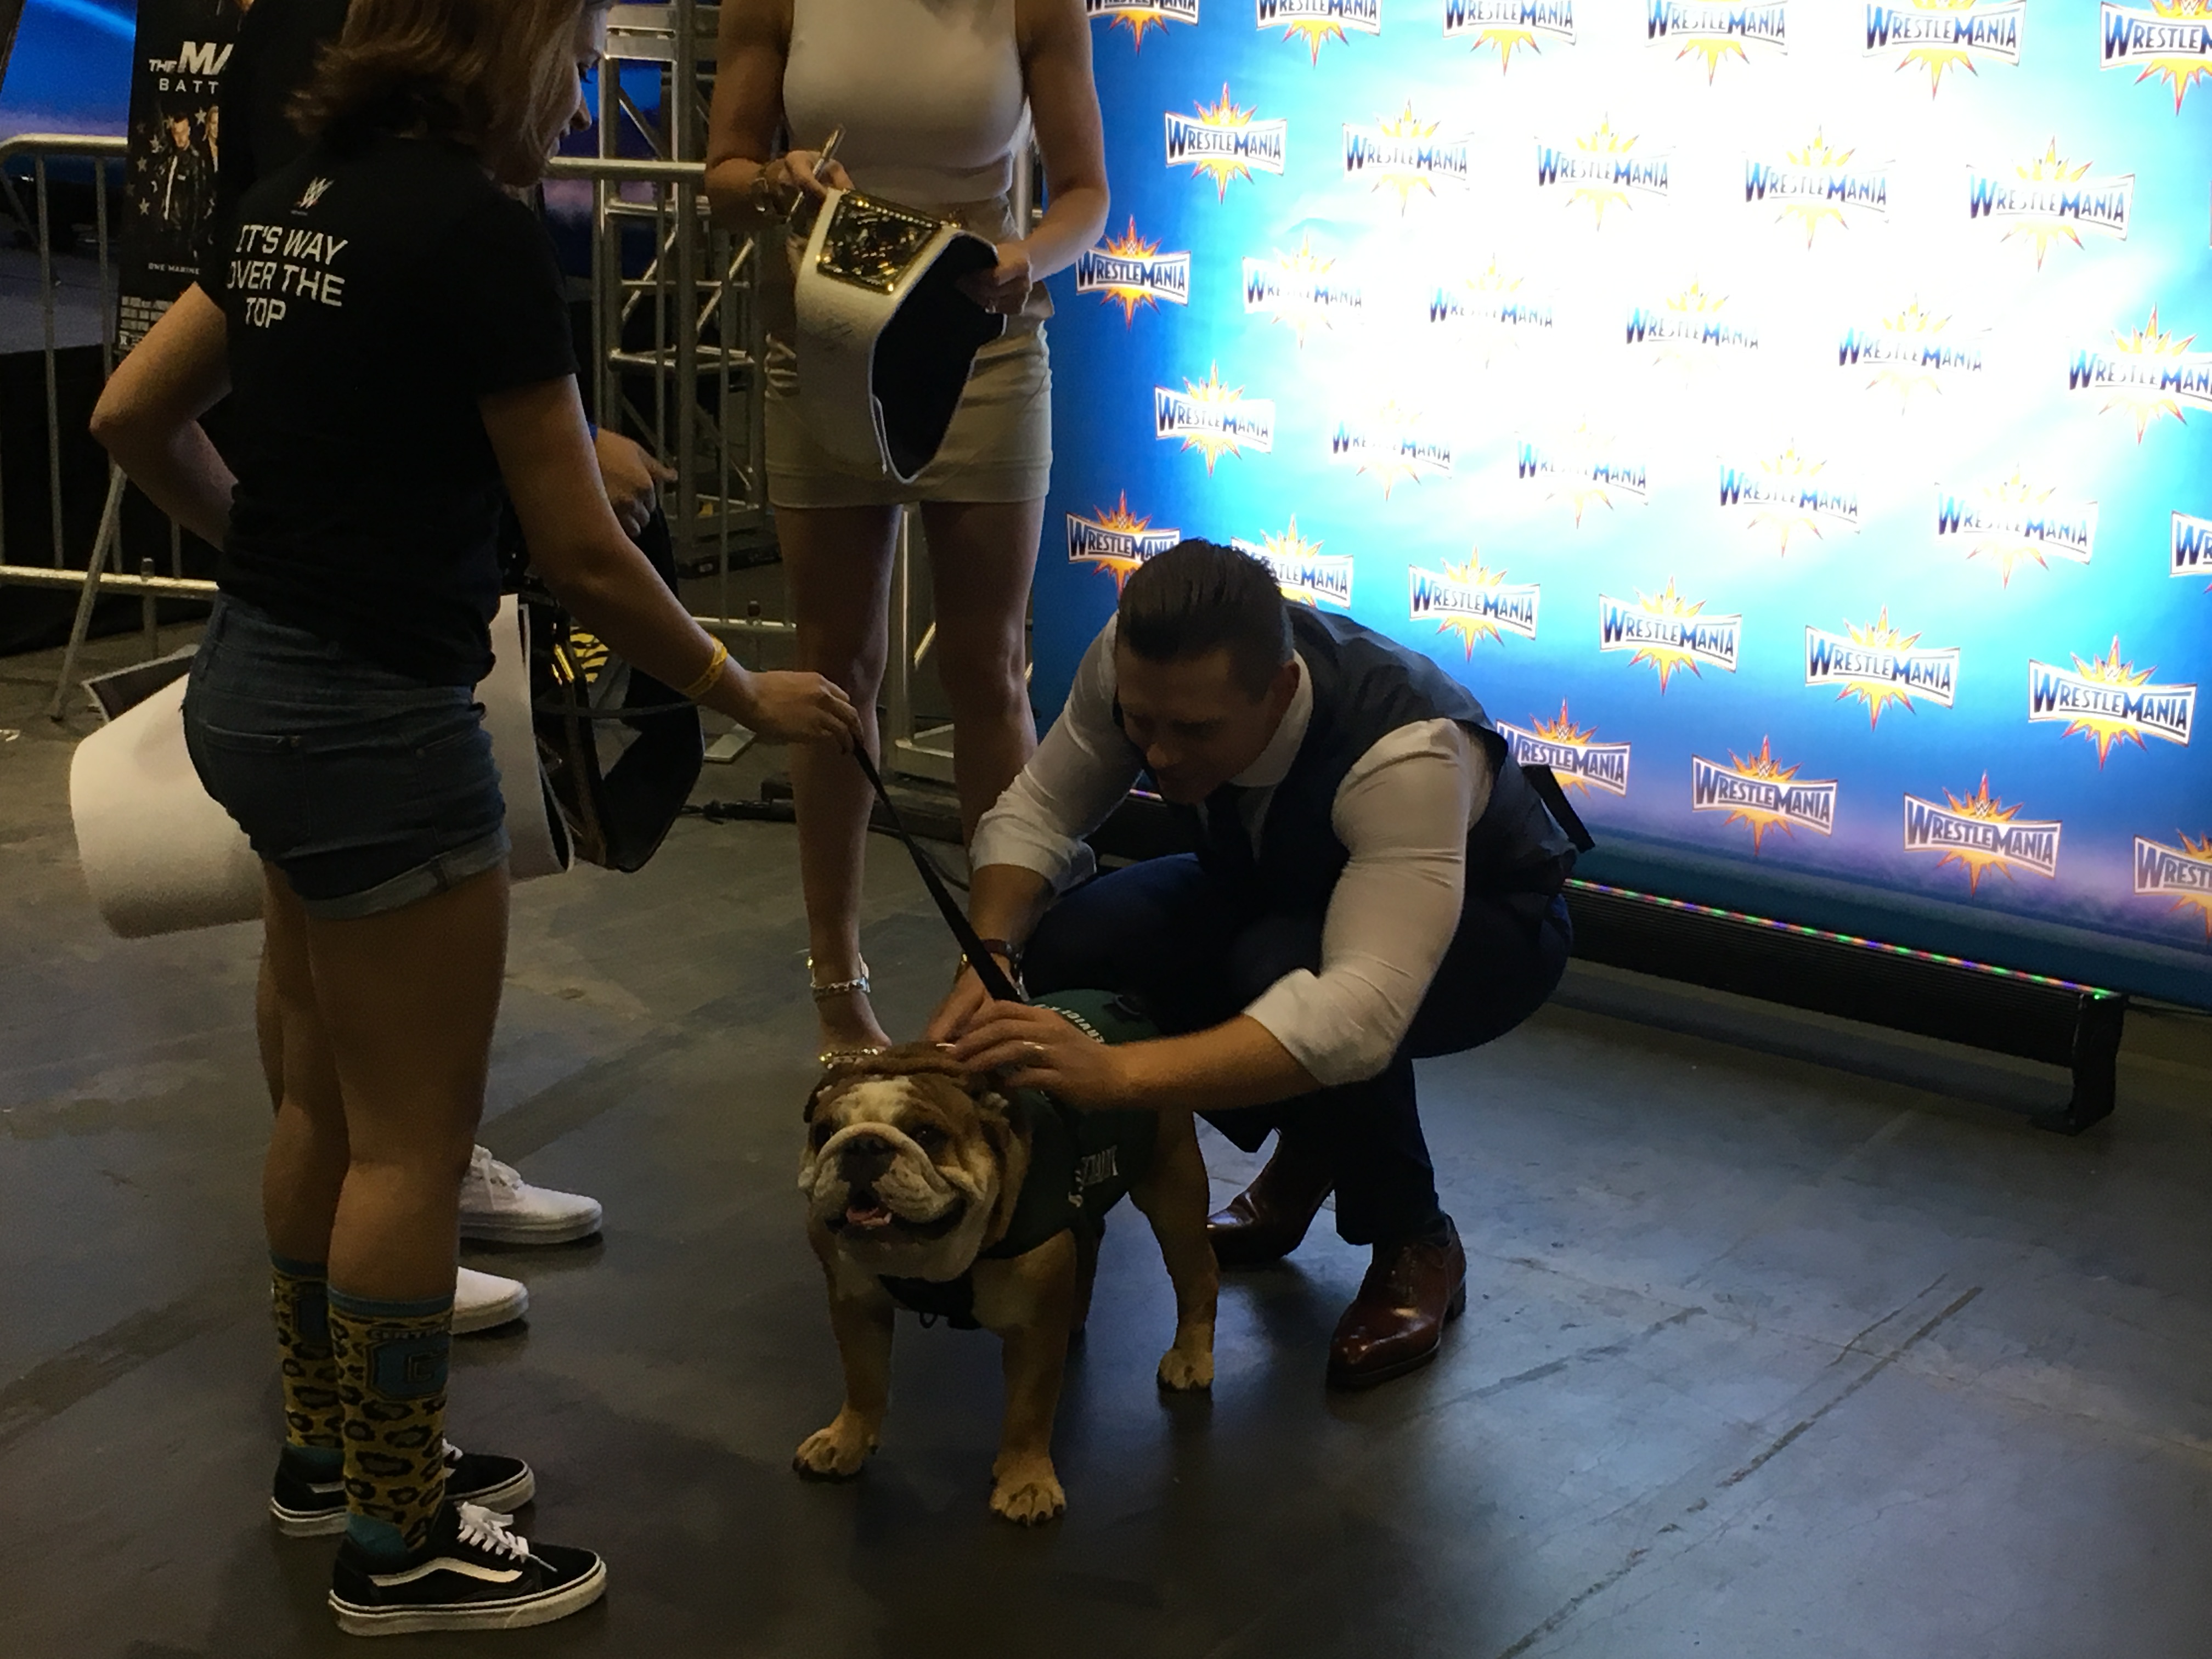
x=1200, y=597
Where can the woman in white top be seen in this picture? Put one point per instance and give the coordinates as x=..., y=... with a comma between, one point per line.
x=933, y=98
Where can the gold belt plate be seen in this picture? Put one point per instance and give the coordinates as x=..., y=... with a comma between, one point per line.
x=873, y=244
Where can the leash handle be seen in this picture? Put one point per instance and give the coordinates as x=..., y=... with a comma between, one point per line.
x=986, y=965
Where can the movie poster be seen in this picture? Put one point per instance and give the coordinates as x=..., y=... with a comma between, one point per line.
x=1793, y=420
x=176, y=151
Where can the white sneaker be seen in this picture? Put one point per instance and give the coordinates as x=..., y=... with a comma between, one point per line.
x=483, y=1300
x=498, y=1207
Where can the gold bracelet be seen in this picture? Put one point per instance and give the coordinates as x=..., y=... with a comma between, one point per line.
x=706, y=682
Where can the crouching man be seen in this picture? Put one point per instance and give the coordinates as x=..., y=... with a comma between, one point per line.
x=1378, y=882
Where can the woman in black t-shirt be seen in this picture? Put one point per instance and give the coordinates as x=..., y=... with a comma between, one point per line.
x=390, y=328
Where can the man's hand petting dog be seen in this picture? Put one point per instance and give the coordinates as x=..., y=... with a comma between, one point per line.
x=1036, y=1049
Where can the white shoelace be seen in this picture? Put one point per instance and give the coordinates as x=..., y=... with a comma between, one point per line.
x=487, y=1529
x=494, y=1173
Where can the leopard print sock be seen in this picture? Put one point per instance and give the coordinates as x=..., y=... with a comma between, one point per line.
x=391, y=1359
x=312, y=1416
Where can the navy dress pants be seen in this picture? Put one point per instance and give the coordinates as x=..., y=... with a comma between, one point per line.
x=1167, y=934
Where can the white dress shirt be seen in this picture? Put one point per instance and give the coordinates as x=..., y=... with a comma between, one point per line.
x=1402, y=812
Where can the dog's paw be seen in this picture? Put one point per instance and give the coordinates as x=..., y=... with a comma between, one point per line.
x=1028, y=1495
x=1187, y=1367
x=835, y=1453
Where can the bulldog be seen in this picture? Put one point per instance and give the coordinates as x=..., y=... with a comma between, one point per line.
x=948, y=1195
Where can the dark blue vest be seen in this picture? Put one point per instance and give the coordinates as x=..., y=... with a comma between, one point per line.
x=1364, y=688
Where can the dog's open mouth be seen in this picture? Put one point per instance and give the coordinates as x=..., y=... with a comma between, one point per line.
x=868, y=1216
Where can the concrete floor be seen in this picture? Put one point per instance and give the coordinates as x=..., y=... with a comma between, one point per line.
x=1765, y=1356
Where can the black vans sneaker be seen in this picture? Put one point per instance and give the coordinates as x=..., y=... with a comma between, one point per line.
x=473, y=1574
x=316, y=1508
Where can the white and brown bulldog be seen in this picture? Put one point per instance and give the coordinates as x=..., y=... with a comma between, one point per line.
x=933, y=1190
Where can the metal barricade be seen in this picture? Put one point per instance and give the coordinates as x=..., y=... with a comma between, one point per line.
x=43, y=149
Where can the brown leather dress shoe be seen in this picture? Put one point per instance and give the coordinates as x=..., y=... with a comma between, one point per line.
x=1396, y=1322
x=1265, y=1221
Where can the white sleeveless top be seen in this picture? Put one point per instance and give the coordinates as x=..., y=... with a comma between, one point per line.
x=929, y=93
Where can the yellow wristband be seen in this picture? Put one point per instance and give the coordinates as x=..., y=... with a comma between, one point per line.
x=706, y=682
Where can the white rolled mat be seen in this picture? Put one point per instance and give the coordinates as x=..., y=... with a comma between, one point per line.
x=160, y=856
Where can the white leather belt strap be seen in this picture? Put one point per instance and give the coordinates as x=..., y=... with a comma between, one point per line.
x=886, y=338
x=160, y=856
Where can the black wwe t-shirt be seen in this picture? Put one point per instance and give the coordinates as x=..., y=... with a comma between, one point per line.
x=373, y=296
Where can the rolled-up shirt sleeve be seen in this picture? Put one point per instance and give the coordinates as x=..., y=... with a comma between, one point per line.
x=1402, y=813
x=1079, y=776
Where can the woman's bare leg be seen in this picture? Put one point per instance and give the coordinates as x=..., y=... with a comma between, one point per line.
x=838, y=561
x=981, y=556
x=406, y=1002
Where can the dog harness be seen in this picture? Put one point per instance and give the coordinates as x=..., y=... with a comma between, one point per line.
x=1081, y=1163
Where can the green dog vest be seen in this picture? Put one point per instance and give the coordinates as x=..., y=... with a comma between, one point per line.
x=1081, y=1163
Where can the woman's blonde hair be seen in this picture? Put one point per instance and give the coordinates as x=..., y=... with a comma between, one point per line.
x=489, y=74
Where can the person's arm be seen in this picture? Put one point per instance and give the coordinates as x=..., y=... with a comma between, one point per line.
x=631, y=476
x=1402, y=813
x=1030, y=845
x=149, y=417
x=1055, y=47
x=545, y=459
x=748, y=187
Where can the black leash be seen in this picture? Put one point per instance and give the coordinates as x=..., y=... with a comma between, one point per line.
x=985, y=965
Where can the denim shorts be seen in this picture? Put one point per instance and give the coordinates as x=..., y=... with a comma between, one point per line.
x=369, y=790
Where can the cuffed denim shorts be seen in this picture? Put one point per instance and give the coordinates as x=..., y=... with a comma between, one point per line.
x=368, y=789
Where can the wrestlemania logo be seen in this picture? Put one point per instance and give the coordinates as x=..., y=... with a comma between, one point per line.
x=2182, y=873
x=2146, y=374
x=2110, y=701
x=1391, y=445
x=1118, y=541
x=1223, y=143
x=2050, y=199
x=1575, y=759
x=2192, y=547
x=1404, y=156
x=1909, y=352
x=1582, y=473
x=1299, y=569
x=1785, y=493
x=1298, y=290
x=1491, y=310
x=1601, y=169
x=1668, y=632
x=1763, y=793
x=1715, y=31
x=1940, y=35
x=1880, y=665
x=1213, y=419
x=1475, y=603
x=2005, y=523
x=2172, y=40
x=1813, y=186
x=1129, y=271
x=1981, y=834
x=1319, y=21
x=1683, y=325
x=1138, y=15
x=1509, y=25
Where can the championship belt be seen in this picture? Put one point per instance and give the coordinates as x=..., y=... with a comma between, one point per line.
x=620, y=750
x=885, y=336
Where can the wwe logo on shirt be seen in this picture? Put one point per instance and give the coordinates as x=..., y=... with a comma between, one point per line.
x=313, y=194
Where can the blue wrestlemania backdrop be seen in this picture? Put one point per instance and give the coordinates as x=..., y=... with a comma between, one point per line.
x=1789, y=419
